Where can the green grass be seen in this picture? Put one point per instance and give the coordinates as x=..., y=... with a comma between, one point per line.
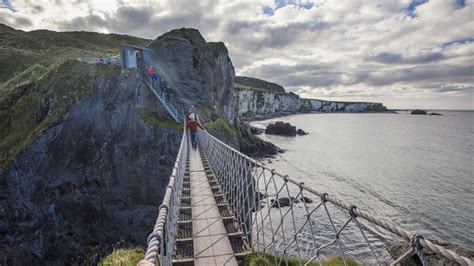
x=221, y=127
x=155, y=121
x=241, y=87
x=257, y=259
x=20, y=50
x=55, y=90
x=123, y=257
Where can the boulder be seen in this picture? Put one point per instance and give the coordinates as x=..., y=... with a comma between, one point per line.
x=281, y=128
x=301, y=132
x=306, y=200
x=256, y=130
x=283, y=202
x=253, y=146
x=418, y=112
x=295, y=200
x=399, y=249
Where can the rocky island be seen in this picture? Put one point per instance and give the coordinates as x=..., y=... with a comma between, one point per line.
x=283, y=129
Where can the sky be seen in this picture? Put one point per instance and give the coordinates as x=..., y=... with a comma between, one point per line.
x=404, y=53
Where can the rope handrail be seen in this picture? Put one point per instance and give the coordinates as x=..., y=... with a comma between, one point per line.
x=164, y=230
x=246, y=166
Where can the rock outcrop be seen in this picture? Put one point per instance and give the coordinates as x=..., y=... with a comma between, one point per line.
x=301, y=132
x=198, y=73
x=281, y=128
x=257, y=104
x=418, y=112
x=100, y=170
x=253, y=146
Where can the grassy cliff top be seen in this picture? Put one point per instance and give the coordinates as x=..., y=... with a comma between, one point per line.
x=257, y=84
x=19, y=50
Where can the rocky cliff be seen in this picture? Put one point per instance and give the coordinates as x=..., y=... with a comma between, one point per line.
x=86, y=149
x=91, y=179
x=198, y=73
x=259, y=104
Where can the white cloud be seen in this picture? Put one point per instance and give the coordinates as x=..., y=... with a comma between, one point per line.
x=349, y=50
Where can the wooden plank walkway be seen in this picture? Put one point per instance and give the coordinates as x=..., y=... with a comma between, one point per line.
x=210, y=241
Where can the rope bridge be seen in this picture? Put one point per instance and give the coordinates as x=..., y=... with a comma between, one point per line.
x=268, y=212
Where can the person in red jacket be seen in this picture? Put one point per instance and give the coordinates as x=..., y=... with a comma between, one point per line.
x=152, y=72
x=192, y=125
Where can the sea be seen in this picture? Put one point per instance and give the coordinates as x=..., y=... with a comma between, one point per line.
x=416, y=171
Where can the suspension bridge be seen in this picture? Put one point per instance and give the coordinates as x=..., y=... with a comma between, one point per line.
x=221, y=205
x=217, y=209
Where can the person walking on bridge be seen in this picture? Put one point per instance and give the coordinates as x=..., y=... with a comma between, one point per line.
x=192, y=125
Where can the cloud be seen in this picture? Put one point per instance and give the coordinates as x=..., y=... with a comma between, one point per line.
x=395, y=58
x=8, y=5
x=381, y=50
x=12, y=20
x=37, y=9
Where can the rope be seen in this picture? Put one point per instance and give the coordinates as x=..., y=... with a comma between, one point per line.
x=166, y=223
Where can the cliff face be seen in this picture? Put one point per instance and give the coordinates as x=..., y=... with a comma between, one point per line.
x=86, y=150
x=91, y=180
x=198, y=73
x=259, y=104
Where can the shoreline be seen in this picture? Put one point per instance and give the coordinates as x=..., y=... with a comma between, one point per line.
x=262, y=118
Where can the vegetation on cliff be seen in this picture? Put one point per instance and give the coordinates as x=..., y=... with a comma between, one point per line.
x=156, y=121
x=241, y=138
x=20, y=50
x=223, y=131
x=37, y=98
x=40, y=78
x=254, y=146
x=256, y=259
x=256, y=84
x=125, y=257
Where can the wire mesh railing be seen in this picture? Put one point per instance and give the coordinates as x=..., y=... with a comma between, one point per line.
x=161, y=242
x=265, y=207
x=279, y=217
x=165, y=97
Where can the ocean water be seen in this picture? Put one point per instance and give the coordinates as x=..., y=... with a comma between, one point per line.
x=414, y=171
